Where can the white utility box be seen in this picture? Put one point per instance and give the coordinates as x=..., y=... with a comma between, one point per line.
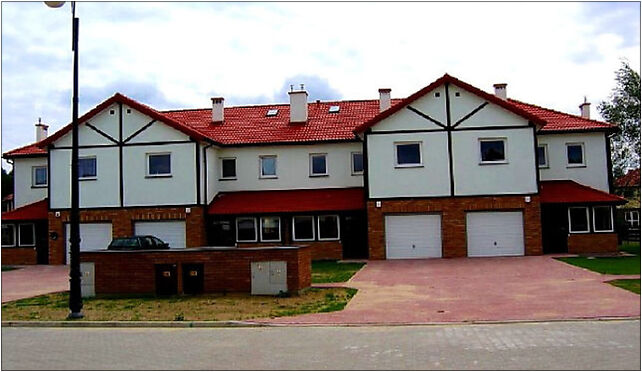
x=269, y=277
x=87, y=288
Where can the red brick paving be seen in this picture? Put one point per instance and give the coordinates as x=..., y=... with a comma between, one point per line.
x=34, y=280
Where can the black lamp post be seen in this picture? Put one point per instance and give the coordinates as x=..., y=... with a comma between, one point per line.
x=75, y=297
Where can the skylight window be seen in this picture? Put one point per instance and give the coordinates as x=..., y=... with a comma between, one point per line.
x=272, y=112
x=333, y=109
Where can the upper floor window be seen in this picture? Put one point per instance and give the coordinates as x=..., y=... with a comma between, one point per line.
x=357, y=163
x=318, y=165
x=39, y=176
x=26, y=234
x=8, y=235
x=542, y=156
x=578, y=219
x=228, y=168
x=87, y=168
x=493, y=150
x=270, y=229
x=575, y=154
x=246, y=229
x=632, y=218
x=408, y=154
x=602, y=219
x=159, y=164
x=267, y=166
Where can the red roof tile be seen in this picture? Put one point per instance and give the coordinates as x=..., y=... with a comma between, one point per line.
x=33, y=211
x=631, y=178
x=284, y=201
x=557, y=121
x=26, y=151
x=567, y=191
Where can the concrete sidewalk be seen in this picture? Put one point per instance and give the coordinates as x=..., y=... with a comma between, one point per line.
x=34, y=280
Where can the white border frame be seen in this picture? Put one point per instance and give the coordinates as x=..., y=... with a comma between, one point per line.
x=222, y=177
x=150, y=154
x=352, y=171
x=261, y=229
x=492, y=139
x=15, y=236
x=294, y=238
x=578, y=165
x=546, y=163
x=33, y=235
x=90, y=178
x=410, y=165
x=319, y=227
x=588, y=221
x=327, y=171
x=276, y=169
x=236, y=227
x=33, y=176
x=610, y=213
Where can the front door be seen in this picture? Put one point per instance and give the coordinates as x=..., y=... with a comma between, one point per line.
x=554, y=229
x=354, y=236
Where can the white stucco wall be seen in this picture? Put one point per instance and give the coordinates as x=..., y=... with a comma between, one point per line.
x=594, y=174
x=491, y=115
x=24, y=193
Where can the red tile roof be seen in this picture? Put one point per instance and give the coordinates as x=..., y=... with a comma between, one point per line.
x=284, y=201
x=557, y=121
x=567, y=191
x=33, y=211
x=631, y=178
x=26, y=151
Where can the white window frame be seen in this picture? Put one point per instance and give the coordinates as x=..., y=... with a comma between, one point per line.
x=338, y=227
x=15, y=236
x=256, y=233
x=91, y=178
x=588, y=221
x=327, y=172
x=294, y=238
x=33, y=176
x=355, y=173
x=33, y=235
x=235, y=169
x=410, y=165
x=276, y=169
x=579, y=165
x=629, y=218
x=545, y=165
x=610, y=214
x=147, y=158
x=261, y=229
x=493, y=139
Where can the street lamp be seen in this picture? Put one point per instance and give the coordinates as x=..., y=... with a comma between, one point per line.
x=75, y=298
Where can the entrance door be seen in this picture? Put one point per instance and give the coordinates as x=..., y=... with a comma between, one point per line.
x=354, y=233
x=554, y=229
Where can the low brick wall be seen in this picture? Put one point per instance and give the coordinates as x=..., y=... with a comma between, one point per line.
x=19, y=256
x=592, y=243
x=224, y=270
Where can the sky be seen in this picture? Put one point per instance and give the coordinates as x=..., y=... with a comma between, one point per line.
x=179, y=55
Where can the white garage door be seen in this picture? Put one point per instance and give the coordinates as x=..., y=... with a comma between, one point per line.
x=93, y=236
x=413, y=236
x=171, y=232
x=495, y=234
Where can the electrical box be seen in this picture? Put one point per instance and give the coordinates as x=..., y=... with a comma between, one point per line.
x=192, y=278
x=166, y=279
x=269, y=277
x=87, y=280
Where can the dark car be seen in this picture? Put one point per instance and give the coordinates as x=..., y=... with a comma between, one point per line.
x=135, y=243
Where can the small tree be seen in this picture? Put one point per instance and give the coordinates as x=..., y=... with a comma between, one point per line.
x=7, y=182
x=623, y=109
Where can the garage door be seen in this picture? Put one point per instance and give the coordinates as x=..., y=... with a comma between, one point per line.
x=171, y=232
x=93, y=236
x=495, y=234
x=413, y=236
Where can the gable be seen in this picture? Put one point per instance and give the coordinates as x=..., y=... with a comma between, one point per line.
x=410, y=117
x=140, y=128
x=96, y=130
x=484, y=113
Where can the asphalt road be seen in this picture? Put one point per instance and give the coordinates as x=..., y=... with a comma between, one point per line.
x=557, y=345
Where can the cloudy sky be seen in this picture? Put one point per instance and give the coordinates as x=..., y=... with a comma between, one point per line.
x=178, y=55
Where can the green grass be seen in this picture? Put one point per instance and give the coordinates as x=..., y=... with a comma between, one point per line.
x=9, y=268
x=607, y=265
x=632, y=285
x=333, y=271
x=630, y=247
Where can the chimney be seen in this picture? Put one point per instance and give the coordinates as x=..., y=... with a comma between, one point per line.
x=298, y=105
x=41, y=130
x=585, y=109
x=384, y=99
x=500, y=90
x=217, y=109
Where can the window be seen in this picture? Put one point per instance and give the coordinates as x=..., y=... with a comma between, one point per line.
x=632, y=218
x=357, y=163
x=408, y=154
x=270, y=229
x=493, y=150
x=26, y=235
x=542, y=156
x=159, y=165
x=575, y=154
x=272, y=112
x=267, y=166
x=87, y=168
x=39, y=176
x=333, y=109
x=303, y=228
x=246, y=229
x=578, y=219
x=318, y=165
x=8, y=235
x=228, y=168
x=602, y=219
x=328, y=227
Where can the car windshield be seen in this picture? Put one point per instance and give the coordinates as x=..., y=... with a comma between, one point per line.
x=124, y=242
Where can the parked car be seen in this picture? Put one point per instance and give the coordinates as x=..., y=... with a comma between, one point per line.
x=134, y=243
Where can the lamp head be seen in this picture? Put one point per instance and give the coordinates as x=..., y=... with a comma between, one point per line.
x=54, y=4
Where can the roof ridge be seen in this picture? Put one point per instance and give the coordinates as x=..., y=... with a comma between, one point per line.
x=561, y=112
x=275, y=104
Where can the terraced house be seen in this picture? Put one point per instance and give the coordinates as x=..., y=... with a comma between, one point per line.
x=450, y=171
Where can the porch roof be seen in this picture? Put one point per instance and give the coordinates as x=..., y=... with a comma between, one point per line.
x=33, y=211
x=567, y=191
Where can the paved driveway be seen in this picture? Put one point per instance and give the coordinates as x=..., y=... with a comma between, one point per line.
x=34, y=280
x=477, y=289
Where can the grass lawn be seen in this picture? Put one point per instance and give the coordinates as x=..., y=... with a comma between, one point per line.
x=333, y=271
x=607, y=265
x=630, y=247
x=632, y=285
x=8, y=268
x=205, y=307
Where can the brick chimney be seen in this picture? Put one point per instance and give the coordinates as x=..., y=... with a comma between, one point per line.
x=217, y=109
x=298, y=105
x=384, y=99
x=585, y=109
x=41, y=130
x=500, y=90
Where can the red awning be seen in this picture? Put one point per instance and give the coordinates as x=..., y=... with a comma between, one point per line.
x=33, y=211
x=288, y=201
x=568, y=191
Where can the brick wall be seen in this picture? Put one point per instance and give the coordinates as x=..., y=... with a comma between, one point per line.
x=18, y=256
x=224, y=270
x=453, y=223
x=320, y=250
x=122, y=220
x=592, y=243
